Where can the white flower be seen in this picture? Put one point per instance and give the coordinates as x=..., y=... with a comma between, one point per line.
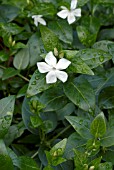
x=53, y=69
x=70, y=14
x=38, y=19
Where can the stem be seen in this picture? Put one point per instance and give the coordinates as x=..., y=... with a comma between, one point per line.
x=24, y=78
x=33, y=156
x=59, y=134
x=20, y=75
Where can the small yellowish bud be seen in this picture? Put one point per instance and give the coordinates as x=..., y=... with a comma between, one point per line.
x=61, y=55
x=13, y=43
x=28, y=1
x=10, y=40
x=55, y=52
x=92, y=168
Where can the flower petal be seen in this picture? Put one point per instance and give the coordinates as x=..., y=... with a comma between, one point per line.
x=63, y=14
x=62, y=64
x=73, y=4
x=42, y=21
x=77, y=12
x=43, y=67
x=50, y=59
x=51, y=77
x=61, y=75
x=71, y=18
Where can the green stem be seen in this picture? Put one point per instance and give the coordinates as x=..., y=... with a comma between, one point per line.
x=33, y=156
x=20, y=75
x=59, y=134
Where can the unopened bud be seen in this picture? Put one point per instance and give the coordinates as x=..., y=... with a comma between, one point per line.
x=13, y=43
x=28, y=1
x=92, y=168
x=10, y=40
x=55, y=52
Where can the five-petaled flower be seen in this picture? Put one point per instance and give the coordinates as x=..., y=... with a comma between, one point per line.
x=70, y=14
x=53, y=69
x=38, y=19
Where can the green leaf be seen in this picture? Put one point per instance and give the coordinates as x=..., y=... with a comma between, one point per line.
x=81, y=125
x=73, y=141
x=103, y=45
x=98, y=126
x=36, y=47
x=80, y=160
x=106, y=98
x=48, y=168
x=9, y=72
x=104, y=1
x=63, y=30
x=5, y=160
x=84, y=96
x=65, y=111
x=21, y=59
x=93, y=57
x=87, y=31
x=106, y=165
x=54, y=157
x=3, y=56
x=26, y=114
x=6, y=114
x=53, y=99
x=11, y=28
x=95, y=162
x=49, y=38
x=22, y=91
x=37, y=84
x=77, y=64
x=8, y=13
x=108, y=139
x=27, y=163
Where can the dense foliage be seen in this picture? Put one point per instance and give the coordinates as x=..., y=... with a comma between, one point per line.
x=63, y=125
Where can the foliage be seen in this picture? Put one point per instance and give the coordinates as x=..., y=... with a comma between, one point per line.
x=59, y=126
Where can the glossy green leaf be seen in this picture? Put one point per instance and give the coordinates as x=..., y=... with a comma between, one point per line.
x=22, y=91
x=98, y=126
x=77, y=64
x=21, y=59
x=6, y=114
x=8, y=13
x=74, y=141
x=49, y=38
x=36, y=47
x=84, y=96
x=106, y=165
x=37, y=84
x=63, y=30
x=108, y=139
x=26, y=114
x=93, y=57
x=5, y=160
x=106, y=98
x=88, y=30
x=27, y=163
x=81, y=125
x=53, y=99
x=3, y=56
x=9, y=72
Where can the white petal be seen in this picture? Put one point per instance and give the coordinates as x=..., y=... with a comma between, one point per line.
x=73, y=4
x=62, y=64
x=51, y=77
x=63, y=14
x=50, y=59
x=35, y=22
x=42, y=21
x=77, y=12
x=71, y=18
x=43, y=67
x=61, y=75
